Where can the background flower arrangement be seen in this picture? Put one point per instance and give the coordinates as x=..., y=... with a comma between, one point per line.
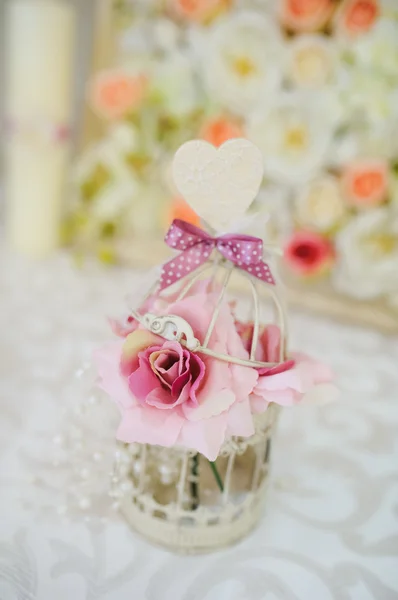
x=314, y=83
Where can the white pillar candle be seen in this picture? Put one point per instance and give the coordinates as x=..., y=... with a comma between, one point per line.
x=40, y=42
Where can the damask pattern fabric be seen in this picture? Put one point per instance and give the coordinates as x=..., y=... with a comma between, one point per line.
x=330, y=525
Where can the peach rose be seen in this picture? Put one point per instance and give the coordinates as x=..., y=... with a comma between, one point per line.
x=305, y=15
x=179, y=209
x=365, y=182
x=308, y=253
x=219, y=130
x=196, y=10
x=358, y=16
x=113, y=94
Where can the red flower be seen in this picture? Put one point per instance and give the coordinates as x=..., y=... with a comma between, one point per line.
x=308, y=253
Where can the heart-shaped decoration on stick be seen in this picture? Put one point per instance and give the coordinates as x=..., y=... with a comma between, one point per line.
x=219, y=183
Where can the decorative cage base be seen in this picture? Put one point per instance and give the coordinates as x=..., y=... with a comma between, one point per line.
x=179, y=500
x=194, y=538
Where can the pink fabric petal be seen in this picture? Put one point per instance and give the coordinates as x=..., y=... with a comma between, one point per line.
x=198, y=370
x=168, y=374
x=150, y=426
x=294, y=379
x=285, y=397
x=161, y=399
x=281, y=368
x=206, y=436
x=270, y=340
x=244, y=381
x=181, y=387
x=314, y=370
x=258, y=404
x=136, y=342
x=107, y=360
x=123, y=328
x=214, y=405
x=240, y=419
x=216, y=393
x=143, y=381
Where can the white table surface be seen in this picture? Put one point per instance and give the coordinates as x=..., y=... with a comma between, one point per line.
x=330, y=528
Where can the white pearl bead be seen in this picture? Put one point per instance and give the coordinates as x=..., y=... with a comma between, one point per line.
x=127, y=486
x=97, y=456
x=137, y=467
x=133, y=449
x=166, y=479
x=124, y=470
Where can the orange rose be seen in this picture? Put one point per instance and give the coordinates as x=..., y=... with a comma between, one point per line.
x=179, y=209
x=114, y=94
x=196, y=10
x=219, y=130
x=358, y=16
x=365, y=182
x=305, y=15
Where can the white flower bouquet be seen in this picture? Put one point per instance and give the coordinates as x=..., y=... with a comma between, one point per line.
x=313, y=83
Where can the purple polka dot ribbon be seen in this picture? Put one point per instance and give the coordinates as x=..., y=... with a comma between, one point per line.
x=196, y=245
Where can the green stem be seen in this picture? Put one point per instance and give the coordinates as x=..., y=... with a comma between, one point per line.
x=194, y=483
x=216, y=475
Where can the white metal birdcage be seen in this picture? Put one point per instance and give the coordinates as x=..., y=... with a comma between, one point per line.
x=175, y=496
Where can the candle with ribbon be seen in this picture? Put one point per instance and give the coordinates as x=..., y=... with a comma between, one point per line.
x=40, y=56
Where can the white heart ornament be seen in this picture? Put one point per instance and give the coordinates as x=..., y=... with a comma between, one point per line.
x=218, y=183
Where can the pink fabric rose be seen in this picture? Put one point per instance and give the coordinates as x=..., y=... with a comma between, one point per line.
x=169, y=396
x=291, y=382
x=178, y=370
x=123, y=327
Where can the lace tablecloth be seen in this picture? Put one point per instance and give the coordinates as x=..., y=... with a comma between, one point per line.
x=330, y=527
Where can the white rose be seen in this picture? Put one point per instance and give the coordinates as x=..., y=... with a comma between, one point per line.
x=240, y=58
x=115, y=200
x=377, y=50
x=320, y=205
x=175, y=83
x=294, y=135
x=367, y=255
x=311, y=61
x=114, y=184
x=125, y=137
x=165, y=34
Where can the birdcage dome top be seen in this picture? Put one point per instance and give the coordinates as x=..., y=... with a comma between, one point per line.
x=229, y=285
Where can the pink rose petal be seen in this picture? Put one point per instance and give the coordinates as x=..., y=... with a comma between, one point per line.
x=240, y=419
x=206, y=436
x=149, y=426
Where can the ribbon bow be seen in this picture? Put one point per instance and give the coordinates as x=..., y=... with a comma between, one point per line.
x=196, y=245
